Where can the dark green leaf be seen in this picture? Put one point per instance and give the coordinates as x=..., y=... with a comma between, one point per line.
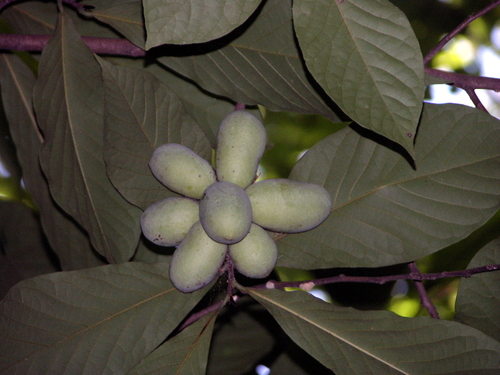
x=365, y=55
x=384, y=211
x=72, y=155
x=191, y=21
x=141, y=114
x=478, y=298
x=98, y=321
x=65, y=237
x=24, y=250
x=185, y=353
x=261, y=66
x=123, y=15
x=355, y=342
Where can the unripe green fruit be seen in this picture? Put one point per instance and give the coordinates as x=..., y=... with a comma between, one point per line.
x=167, y=222
x=288, y=206
x=241, y=141
x=225, y=212
x=182, y=170
x=256, y=255
x=196, y=261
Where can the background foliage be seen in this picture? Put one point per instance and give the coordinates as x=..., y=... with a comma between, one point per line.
x=415, y=187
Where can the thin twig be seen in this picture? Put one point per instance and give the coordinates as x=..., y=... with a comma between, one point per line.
x=475, y=99
x=377, y=279
x=424, y=297
x=457, y=30
x=98, y=45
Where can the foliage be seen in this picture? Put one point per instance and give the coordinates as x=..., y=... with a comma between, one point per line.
x=407, y=179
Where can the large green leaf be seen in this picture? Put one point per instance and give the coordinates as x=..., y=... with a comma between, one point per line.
x=98, y=321
x=191, y=21
x=260, y=66
x=384, y=211
x=65, y=237
x=141, y=113
x=186, y=353
x=367, y=58
x=355, y=342
x=124, y=16
x=68, y=101
x=478, y=298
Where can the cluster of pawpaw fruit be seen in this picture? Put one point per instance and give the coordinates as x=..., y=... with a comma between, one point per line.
x=222, y=210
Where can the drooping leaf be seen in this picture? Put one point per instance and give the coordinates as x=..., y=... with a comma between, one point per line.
x=24, y=250
x=355, y=342
x=65, y=236
x=123, y=15
x=189, y=21
x=260, y=66
x=366, y=56
x=478, y=297
x=384, y=211
x=141, y=114
x=186, y=353
x=72, y=155
x=241, y=338
x=97, y=321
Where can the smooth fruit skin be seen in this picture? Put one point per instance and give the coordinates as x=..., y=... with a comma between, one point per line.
x=241, y=141
x=226, y=212
x=182, y=170
x=196, y=261
x=167, y=222
x=255, y=256
x=288, y=206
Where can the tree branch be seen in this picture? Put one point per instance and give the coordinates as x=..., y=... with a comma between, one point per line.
x=424, y=297
x=457, y=30
x=376, y=279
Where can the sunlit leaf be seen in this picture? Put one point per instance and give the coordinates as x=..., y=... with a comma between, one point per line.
x=260, y=66
x=68, y=101
x=191, y=21
x=349, y=341
x=478, y=298
x=366, y=56
x=384, y=211
x=186, y=353
x=123, y=15
x=65, y=237
x=141, y=114
x=98, y=321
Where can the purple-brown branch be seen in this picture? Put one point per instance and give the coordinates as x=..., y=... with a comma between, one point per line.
x=378, y=279
x=424, y=297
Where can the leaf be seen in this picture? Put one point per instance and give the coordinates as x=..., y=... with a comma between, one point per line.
x=385, y=212
x=349, y=341
x=66, y=238
x=141, y=113
x=185, y=353
x=190, y=21
x=478, y=297
x=124, y=16
x=71, y=157
x=260, y=66
x=367, y=58
x=242, y=338
x=98, y=321
x=24, y=250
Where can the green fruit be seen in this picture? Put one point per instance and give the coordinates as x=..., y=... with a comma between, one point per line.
x=167, y=222
x=241, y=141
x=196, y=261
x=288, y=206
x=256, y=255
x=182, y=170
x=225, y=212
